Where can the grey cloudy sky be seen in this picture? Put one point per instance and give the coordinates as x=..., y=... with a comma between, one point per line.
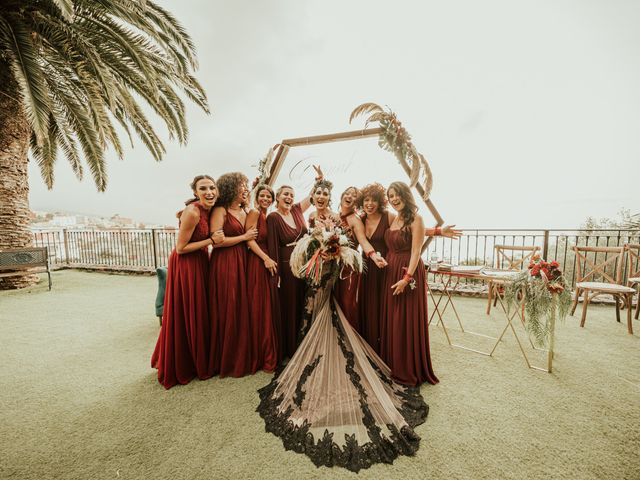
x=529, y=112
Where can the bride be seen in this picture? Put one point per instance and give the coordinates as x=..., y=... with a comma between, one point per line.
x=335, y=400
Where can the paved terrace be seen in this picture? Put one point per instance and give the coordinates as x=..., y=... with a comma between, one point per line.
x=78, y=399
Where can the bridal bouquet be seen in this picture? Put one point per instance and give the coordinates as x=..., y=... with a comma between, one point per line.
x=545, y=293
x=323, y=253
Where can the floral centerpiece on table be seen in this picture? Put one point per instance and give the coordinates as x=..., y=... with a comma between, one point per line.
x=546, y=295
x=323, y=253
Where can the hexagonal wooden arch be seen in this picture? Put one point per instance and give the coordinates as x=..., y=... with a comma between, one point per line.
x=286, y=144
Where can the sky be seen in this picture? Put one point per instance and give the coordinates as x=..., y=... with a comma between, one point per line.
x=528, y=112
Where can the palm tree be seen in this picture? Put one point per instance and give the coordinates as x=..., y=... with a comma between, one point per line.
x=70, y=72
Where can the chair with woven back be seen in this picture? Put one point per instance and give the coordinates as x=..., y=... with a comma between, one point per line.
x=510, y=258
x=609, y=271
x=633, y=267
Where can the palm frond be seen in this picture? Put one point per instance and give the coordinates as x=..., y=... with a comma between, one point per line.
x=376, y=117
x=414, y=159
x=28, y=73
x=364, y=109
x=427, y=179
x=69, y=147
x=195, y=92
x=89, y=143
x=66, y=8
x=166, y=22
x=45, y=155
x=82, y=65
x=131, y=113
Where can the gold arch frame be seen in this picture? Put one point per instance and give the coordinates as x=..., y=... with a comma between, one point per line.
x=282, y=150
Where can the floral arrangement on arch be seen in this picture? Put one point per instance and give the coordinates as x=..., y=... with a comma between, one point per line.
x=323, y=253
x=394, y=138
x=546, y=295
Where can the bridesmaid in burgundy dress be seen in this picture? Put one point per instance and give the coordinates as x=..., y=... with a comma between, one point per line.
x=348, y=286
x=231, y=341
x=376, y=219
x=284, y=227
x=182, y=348
x=404, y=344
x=260, y=268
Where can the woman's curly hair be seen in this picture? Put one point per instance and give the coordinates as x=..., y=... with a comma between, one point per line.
x=408, y=213
x=321, y=184
x=376, y=192
x=228, y=187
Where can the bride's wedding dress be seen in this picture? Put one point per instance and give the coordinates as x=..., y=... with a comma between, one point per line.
x=335, y=400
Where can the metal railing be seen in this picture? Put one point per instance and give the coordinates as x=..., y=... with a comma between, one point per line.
x=476, y=247
x=122, y=249
x=147, y=249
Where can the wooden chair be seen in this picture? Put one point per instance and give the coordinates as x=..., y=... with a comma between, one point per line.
x=633, y=265
x=509, y=258
x=609, y=270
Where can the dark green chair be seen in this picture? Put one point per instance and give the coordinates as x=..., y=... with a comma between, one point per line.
x=162, y=286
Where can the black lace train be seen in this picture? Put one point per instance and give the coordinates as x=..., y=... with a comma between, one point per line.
x=365, y=380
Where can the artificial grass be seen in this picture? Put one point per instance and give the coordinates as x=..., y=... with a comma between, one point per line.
x=79, y=400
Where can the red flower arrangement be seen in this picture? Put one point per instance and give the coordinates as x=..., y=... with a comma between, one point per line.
x=332, y=246
x=549, y=272
x=546, y=297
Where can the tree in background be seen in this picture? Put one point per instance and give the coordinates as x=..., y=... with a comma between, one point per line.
x=70, y=71
x=622, y=221
x=634, y=222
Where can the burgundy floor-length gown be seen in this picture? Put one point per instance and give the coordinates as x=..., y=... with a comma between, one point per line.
x=231, y=341
x=288, y=300
x=372, y=287
x=265, y=346
x=182, y=348
x=346, y=288
x=404, y=334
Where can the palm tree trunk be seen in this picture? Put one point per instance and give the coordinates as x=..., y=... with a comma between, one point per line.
x=14, y=186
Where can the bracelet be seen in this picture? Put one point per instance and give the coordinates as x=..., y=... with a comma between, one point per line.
x=437, y=232
x=407, y=276
x=371, y=253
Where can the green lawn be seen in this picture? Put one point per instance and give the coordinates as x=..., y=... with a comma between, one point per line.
x=79, y=400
